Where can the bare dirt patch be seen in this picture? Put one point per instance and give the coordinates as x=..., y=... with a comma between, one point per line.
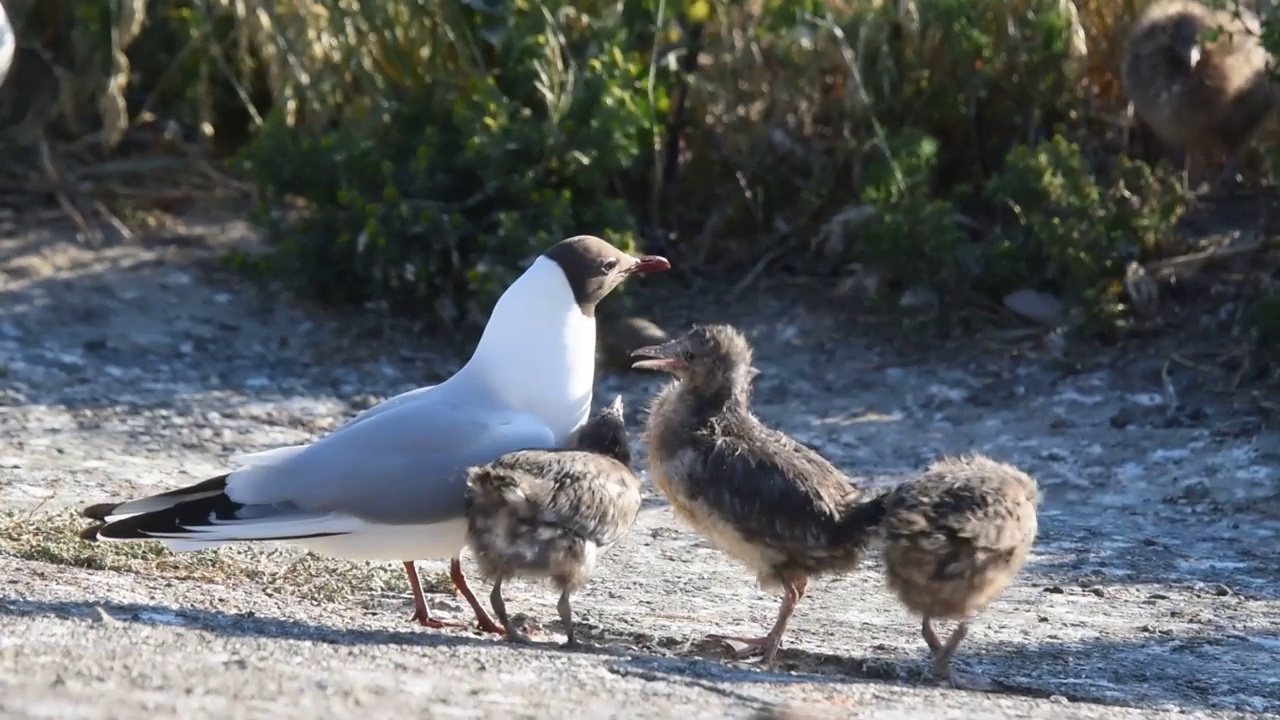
x=1152, y=591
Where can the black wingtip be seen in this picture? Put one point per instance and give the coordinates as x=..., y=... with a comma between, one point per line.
x=99, y=511
x=90, y=534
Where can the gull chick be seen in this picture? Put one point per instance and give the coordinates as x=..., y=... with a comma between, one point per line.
x=551, y=513
x=953, y=541
x=1196, y=92
x=756, y=494
x=390, y=484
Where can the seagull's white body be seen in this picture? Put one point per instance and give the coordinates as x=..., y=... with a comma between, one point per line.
x=389, y=484
x=8, y=44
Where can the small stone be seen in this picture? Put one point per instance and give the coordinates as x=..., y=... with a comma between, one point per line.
x=1098, y=591
x=919, y=297
x=1158, y=596
x=1222, y=590
x=1038, y=306
x=1054, y=590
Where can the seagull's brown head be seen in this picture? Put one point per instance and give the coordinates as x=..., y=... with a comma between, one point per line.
x=707, y=356
x=593, y=268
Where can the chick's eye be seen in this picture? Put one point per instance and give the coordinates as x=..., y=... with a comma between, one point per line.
x=609, y=264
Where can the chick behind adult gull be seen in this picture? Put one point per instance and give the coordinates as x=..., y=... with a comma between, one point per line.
x=551, y=513
x=754, y=492
x=390, y=483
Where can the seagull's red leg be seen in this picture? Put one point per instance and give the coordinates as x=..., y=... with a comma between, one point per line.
x=421, y=613
x=483, y=621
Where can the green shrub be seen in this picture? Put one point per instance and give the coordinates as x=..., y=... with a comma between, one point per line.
x=908, y=234
x=1074, y=227
x=801, y=115
x=472, y=158
x=417, y=153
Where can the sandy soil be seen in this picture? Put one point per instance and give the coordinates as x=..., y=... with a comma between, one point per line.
x=1153, y=591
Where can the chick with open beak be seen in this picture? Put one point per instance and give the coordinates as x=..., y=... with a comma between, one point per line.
x=755, y=493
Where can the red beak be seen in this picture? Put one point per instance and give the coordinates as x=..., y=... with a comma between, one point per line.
x=649, y=264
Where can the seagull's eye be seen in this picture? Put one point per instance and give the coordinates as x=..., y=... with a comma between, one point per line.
x=687, y=356
x=610, y=264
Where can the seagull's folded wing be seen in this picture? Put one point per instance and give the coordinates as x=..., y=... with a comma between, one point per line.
x=404, y=465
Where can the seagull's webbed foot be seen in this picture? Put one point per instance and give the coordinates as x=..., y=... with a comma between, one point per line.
x=421, y=613
x=426, y=621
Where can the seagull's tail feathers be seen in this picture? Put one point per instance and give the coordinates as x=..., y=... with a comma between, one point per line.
x=109, y=512
x=203, y=516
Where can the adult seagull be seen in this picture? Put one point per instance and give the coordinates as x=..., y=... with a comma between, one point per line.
x=390, y=484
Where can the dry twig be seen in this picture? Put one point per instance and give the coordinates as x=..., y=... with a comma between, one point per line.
x=60, y=186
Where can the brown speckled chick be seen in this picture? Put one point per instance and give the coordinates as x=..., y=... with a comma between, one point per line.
x=755, y=493
x=1199, y=94
x=954, y=540
x=551, y=513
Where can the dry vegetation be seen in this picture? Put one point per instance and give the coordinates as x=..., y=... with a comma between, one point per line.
x=413, y=153
x=51, y=537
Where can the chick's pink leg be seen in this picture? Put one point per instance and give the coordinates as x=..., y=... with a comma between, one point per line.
x=792, y=592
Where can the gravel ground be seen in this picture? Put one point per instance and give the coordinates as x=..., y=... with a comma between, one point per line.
x=1152, y=590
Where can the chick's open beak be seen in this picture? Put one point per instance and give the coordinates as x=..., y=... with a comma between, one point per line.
x=657, y=357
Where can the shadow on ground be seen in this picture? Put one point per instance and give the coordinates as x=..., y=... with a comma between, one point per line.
x=1155, y=673
x=1158, y=671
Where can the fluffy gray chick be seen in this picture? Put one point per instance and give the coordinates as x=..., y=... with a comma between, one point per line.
x=954, y=540
x=550, y=513
x=755, y=493
x=1197, y=93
